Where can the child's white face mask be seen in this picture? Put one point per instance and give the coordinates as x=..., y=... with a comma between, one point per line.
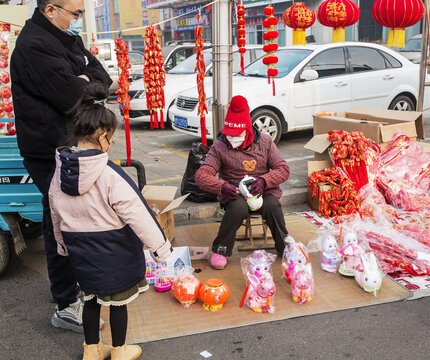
x=235, y=141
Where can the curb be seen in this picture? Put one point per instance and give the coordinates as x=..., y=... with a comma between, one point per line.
x=290, y=197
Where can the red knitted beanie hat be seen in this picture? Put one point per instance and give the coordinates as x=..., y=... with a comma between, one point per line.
x=238, y=118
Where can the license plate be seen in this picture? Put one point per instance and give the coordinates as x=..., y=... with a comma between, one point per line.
x=181, y=122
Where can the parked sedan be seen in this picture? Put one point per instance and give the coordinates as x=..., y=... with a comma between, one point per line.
x=312, y=78
x=182, y=77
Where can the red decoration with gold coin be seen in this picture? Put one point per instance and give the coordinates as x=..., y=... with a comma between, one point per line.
x=338, y=14
x=201, y=70
x=299, y=17
x=397, y=15
x=241, y=42
x=93, y=48
x=121, y=50
x=154, y=76
x=271, y=46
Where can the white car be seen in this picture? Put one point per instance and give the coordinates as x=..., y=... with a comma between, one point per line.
x=313, y=78
x=179, y=78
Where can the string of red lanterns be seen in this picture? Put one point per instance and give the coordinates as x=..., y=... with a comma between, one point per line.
x=241, y=42
x=271, y=46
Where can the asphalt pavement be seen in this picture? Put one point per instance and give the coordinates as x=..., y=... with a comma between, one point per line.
x=397, y=330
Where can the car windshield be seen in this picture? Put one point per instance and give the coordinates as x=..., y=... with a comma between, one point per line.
x=188, y=65
x=287, y=61
x=412, y=45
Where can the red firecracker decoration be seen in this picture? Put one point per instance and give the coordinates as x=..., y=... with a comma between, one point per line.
x=6, y=106
x=121, y=50
x=241, y=42
x=397, y=15
x=154, y=76
x=201, y=69
x=338, y=14
x=299, y=17
x=271, y=46
x=93, y=48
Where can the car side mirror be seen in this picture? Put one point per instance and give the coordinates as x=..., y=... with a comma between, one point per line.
x=168, y=67
x=209, y=73
x=308, y=75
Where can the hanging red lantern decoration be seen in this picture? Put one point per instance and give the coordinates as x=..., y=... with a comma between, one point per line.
x=121, y=49
x=93, y=48
x=338, y=14
x=299, y=17
x=271, y=46
x=154, y=76
x=241, y=42
x=201, y=70
x=397, y=15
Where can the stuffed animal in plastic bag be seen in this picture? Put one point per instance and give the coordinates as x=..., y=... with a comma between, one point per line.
x=368, y=274
x=330, y=255
x=254, y=202
x=293, y=259
x=303, y=286
x=351, y=253
x=260, y=288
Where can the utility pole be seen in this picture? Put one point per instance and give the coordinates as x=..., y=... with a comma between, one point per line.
x=424, y=56
x=90, y=20
x=222, y=62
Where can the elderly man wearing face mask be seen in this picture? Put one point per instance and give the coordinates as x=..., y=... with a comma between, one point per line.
x=242, y=150
x=50, y=68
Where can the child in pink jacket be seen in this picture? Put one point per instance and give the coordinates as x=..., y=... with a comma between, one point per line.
x=100, y=221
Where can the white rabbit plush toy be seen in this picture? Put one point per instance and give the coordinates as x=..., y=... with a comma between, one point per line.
x=330, y=256
x=368, y=274
x=254, y=202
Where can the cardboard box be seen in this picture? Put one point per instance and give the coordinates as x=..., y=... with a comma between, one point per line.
x=161, y=200
x=180, y=253
x=425, y=146
x=314, y=203
x=376, y=124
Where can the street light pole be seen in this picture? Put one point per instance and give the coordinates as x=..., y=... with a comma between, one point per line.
x=424, y=57
x=222, y=62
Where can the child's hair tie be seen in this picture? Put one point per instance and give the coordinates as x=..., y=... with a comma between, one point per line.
x=99, y=102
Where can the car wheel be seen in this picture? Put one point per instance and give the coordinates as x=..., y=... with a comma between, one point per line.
x=268, y=123
x=4, y=252
x=402, y=103
x=167, y=121
x=29, y=229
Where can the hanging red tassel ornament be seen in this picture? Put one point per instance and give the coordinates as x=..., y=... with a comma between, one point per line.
x=93, y=48
x=271, y=46
x=154, y=76
x=121, y=49
x=241, y=42
x=201, y=69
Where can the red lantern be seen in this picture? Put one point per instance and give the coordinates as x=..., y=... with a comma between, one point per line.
x=214, y=294
x=201, y=69
x=154, y=76
x=397, y=15
x=299, y=17
x=271, y=46
x=338, y=14
x=241, y=42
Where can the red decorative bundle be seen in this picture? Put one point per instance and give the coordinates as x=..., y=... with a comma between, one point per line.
x=349, y=154
x=340, y=200
x=270, y=36
x=154, y=76
x=93, y=48
x=201, y=69
x=121, y=50
x=6, y=107
x=241, y=42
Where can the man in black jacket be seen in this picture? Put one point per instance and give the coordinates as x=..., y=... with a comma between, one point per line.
x=50, y=68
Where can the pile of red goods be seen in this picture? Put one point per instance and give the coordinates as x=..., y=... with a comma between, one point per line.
x=270, y=36
x=349, y=153
x=154, y=76
x=241, y=42
x=201, y=70
x=6, y=107
x=340, y=200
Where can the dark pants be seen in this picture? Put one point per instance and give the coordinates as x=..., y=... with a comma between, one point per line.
x=64, y=288
x=237, y=211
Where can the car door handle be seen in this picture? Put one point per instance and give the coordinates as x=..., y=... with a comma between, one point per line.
x=388, y=77
x=341, y=83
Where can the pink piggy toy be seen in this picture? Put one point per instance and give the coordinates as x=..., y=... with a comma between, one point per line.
x=303, y=287
x=260, y=293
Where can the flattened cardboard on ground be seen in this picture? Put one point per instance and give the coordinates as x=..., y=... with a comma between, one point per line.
x=162, y=202
x=155, y=316
x=376, y=124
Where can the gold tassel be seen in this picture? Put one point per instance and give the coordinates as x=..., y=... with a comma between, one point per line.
x=338, y=34
x=396, y=38
x=299, y=37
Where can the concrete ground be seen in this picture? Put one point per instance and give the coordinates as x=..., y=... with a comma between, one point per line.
x=394, y=331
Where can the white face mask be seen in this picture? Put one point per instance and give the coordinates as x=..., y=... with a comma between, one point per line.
x=235, y=141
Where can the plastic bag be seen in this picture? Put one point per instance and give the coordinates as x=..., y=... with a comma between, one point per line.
x=254, y=202
x=368, y=273
x=260, y=286
x=350, y=252
x=185, y=286
x=330, y=255
x=196, y=158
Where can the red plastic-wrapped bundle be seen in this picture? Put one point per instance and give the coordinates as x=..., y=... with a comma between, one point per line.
x=121, y=50
x=271, y=46
x=6, y=106
x=93, y=48
x=241, y=42
x=201, y=69
x=154, y=76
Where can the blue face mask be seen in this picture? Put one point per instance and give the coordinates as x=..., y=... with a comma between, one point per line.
x=75, y=27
